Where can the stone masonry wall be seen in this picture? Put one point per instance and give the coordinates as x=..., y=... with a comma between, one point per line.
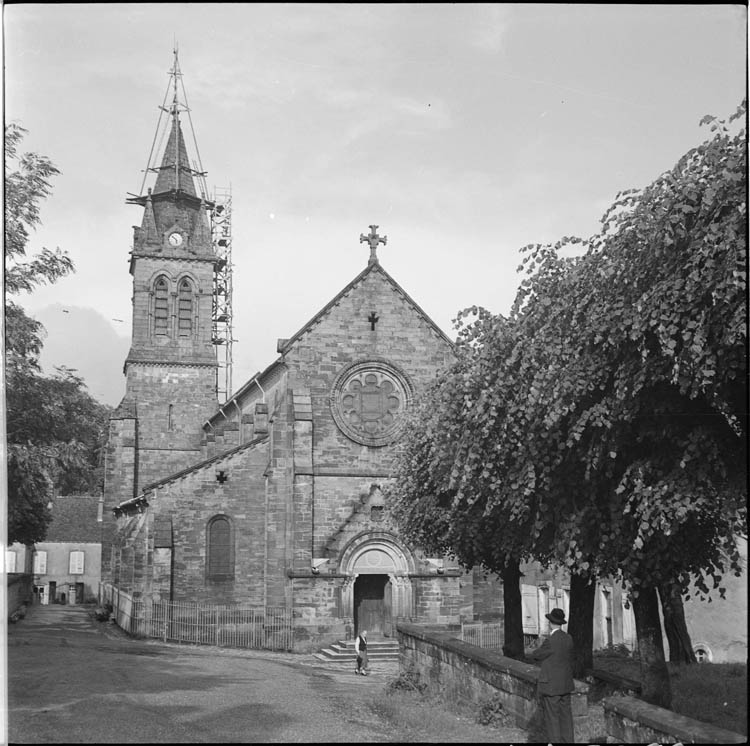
x=438, y=599
x=197, y=346
x=191, y=501
x=342, y=336
x=318, y=616
x=631, y=720
x=119, y=480
x=172, y=404
x=457, y=670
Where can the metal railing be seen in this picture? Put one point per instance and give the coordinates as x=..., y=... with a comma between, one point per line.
x=483, y=634
x=228, y=625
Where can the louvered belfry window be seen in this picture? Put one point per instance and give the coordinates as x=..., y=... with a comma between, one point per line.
x=161, y=307
x=220, y=548
x=185, y=312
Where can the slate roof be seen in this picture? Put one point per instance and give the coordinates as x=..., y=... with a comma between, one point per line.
x=74, y=520
x=175, y=171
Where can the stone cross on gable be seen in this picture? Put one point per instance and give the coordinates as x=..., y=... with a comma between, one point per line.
x=373, y=239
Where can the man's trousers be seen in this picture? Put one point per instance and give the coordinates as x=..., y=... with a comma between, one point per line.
x=558, y=718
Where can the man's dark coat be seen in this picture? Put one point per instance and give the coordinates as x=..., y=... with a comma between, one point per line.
x=556, y=673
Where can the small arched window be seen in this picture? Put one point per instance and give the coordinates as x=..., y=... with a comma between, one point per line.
x=161, y=307
x=185, y=309
x=220, y=555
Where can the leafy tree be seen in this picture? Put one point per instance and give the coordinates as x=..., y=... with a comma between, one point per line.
x=442, y=496
x=603, y=425
x=54, y=427
x=657, y=324
x=27, y=183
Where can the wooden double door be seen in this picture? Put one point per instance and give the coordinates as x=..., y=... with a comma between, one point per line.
x=373, y=605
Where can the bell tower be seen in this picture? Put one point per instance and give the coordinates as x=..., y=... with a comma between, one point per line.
x=170, y=369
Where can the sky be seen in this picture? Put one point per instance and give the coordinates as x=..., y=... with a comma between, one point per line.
x=465, y=131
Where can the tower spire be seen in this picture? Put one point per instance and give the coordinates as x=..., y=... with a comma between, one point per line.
x=176, y=173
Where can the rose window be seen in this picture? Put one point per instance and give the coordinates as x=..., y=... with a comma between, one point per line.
x=368, y=400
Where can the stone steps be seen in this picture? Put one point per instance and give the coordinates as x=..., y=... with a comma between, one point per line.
x=343, y=651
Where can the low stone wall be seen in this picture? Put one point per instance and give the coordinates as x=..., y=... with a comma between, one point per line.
x=458, y=670
x=631, y=720
x=20, y=591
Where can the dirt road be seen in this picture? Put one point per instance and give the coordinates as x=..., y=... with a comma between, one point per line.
x=74, y=680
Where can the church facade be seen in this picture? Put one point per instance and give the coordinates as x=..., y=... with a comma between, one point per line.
x=275, y=497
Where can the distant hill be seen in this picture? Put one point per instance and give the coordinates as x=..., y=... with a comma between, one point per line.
x=83, y=339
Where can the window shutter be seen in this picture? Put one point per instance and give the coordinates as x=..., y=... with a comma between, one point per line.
x=10, y=561
x=185, y=309
x=40, y=563
x=161, y=307
x=76, y=563
x=530, y=607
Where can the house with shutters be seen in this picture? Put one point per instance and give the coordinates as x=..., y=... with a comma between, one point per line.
x=66, y=566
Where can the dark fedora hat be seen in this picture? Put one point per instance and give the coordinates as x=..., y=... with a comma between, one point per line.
x=556, y=616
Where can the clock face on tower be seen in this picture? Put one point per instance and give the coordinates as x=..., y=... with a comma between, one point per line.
x=175, y=239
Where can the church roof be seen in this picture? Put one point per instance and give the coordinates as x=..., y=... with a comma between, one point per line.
x=139, y=499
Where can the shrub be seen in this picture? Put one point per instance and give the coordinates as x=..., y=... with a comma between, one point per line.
x=492, y=712
x=620, y=650
x=102, y=613
x=408, y=680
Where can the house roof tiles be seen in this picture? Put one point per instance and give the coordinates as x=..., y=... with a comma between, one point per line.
x=74, y=519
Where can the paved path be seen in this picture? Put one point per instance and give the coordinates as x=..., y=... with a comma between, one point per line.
x=74, y=680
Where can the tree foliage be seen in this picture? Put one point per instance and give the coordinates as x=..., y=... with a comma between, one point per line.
x=55, y=429
x=603, y=425
x=27, y=184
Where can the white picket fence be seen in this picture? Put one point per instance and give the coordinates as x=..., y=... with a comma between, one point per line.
x=233, y=625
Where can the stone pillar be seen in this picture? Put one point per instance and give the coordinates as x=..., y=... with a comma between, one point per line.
x=120, y=469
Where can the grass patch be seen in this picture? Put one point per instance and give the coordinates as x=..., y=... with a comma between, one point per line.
x=714, y=693
x=717, y=691
x=429, y=718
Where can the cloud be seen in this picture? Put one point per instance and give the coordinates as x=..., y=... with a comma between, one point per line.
x=492, y=27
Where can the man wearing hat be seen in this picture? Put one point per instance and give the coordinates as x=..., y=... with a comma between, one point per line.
x=555, y=682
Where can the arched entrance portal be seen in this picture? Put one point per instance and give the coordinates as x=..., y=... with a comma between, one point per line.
x=372, y=605
x=379, y=589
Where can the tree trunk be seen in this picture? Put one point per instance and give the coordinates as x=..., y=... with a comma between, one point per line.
x=581, y=622
x=655, y=687
x=513, y=625
x=678, y=637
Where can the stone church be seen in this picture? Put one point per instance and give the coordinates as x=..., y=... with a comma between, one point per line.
x=273, y=498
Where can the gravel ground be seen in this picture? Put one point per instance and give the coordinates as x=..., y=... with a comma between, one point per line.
x=74, y=680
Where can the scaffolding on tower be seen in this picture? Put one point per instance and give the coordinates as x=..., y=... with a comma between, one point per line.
x=221, y=333
x=178, y=105
x=219, y=209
